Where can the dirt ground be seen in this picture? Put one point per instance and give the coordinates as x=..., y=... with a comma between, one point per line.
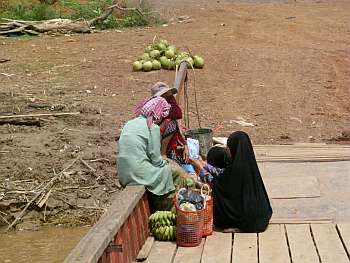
x=282, y=66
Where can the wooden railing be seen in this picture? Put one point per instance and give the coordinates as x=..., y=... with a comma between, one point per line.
x=119, y=234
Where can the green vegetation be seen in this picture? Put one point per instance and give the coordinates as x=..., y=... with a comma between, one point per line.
x=75, y=9
x=28, y=12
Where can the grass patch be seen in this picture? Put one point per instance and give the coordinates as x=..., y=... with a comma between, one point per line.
x=21, y=37
x=25, y=11
x=75, y=9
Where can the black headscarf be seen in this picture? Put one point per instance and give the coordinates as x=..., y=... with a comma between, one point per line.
x=240, y=197
x=218, y=157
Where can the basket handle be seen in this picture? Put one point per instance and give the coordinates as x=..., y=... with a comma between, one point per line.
x=208, y=189
x=180, y=190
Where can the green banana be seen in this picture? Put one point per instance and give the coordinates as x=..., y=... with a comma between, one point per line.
x=162, y=225
x=160, y=233
x=166, y=233
x=158, y=217
x=150, y=218
x=172, y=233
x=168, y=214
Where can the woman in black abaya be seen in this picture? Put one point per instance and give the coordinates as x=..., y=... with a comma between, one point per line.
x=239, y=195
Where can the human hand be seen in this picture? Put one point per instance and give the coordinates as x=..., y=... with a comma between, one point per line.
x=198, y=166
x=185, y=154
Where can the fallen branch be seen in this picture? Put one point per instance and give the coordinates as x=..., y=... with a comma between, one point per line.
x=91, y=207
x=38, y=194
x=40, y=115
x=101, y=17
x=126, y=9
x=3, y=60
x=4, y=219
x=88, y=166
x=60, y=25
x=75, y=187
x=63, y=25
x=16, y=30
x=7, y=75
x=103, y=160
x=43, y=201
x=22, y=122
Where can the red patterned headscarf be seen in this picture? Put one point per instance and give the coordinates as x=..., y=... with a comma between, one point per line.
x=155, y=109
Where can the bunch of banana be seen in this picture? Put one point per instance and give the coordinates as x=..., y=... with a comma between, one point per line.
x=165, y=233
x=162, y=225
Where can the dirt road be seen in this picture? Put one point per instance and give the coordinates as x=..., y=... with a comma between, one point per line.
x=284, y=67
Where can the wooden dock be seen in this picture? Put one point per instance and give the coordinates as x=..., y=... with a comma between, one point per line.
x=308, y=185
x=280, y=243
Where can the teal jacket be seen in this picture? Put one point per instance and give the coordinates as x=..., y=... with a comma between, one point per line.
x=139, y=159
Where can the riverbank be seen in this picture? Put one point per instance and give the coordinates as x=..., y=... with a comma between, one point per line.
x=50, y=244
x=278, y=71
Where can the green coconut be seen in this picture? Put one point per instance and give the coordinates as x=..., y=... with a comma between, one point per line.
x=161, y=46
x=184, y=54
x=162, y=59
x=165, y=63
x=156, y=65
x=173, y=48
x=170, y=53
x=198, y=62
x=172, y=64
x=137, y=66
x=145, y=56
x=147, y=66
x=164, y=41
x=148, y=49
x=190, y=60
x=178, y=61
x=154, y=53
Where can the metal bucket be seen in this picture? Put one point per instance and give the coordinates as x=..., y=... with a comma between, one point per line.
x=205, y=138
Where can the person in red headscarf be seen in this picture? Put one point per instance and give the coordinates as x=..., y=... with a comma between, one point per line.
x=174, y=144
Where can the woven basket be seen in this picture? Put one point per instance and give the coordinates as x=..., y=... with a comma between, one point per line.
x=208, y=212
x=189, y=227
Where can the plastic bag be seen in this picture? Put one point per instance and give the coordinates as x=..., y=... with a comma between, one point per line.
x=193, y=148
x=188, y=196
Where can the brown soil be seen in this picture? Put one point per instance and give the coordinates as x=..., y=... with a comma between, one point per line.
x=285, y=67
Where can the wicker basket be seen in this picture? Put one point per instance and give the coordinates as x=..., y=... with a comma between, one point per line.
x=208, y=211
x=189, y=227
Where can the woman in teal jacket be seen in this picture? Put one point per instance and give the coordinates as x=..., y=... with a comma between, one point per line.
x=140, y=161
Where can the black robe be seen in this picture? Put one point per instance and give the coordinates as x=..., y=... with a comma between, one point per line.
x=239, y=195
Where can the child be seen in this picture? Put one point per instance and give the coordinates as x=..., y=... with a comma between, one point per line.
x=217, y=159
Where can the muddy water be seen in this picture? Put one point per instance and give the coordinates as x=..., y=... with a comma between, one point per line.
x=49, y=245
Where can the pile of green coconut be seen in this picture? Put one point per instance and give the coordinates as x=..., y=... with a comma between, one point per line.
x=165, y=55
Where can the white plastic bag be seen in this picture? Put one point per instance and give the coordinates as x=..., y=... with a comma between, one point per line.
x=193, y=148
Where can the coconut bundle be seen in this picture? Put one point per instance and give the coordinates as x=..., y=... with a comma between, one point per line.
x=163, y=54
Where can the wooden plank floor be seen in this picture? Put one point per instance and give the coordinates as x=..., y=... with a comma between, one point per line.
x=306, y=243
